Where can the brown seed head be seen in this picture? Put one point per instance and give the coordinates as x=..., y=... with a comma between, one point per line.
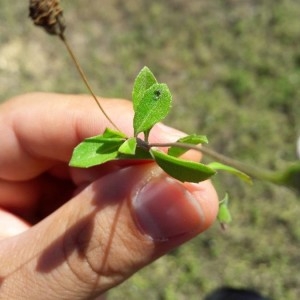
x=48, y=14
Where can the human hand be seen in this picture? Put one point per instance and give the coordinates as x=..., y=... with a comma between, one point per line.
x=70, y=233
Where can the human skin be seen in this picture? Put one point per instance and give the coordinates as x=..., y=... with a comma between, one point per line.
x=68, y=233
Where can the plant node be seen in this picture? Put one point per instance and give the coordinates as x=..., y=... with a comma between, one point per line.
x=143, y=144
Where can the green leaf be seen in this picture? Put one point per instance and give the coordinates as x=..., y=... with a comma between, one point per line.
x=128, y=147
x=218, y=166
x=193, y=139
x=224, y=215
x=93, y=151
x=110, y=133
x=181, y=169
x=144, y=80
x=154, y=107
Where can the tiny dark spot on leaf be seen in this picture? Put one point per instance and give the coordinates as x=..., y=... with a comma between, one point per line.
x=157, y=94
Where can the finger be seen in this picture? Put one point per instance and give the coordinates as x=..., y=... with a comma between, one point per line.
x=10, y=225
x=34, y=199
x=42, y=129
x=39, y=130
x=111, y=229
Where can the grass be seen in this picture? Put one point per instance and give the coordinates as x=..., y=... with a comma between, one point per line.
x=234, y=70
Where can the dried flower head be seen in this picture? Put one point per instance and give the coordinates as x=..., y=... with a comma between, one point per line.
x=48, y=14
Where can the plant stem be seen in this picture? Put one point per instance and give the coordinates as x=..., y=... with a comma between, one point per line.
x=248, y=169
x=82, y=75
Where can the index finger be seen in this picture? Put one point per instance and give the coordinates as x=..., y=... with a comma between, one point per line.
x=40, y=130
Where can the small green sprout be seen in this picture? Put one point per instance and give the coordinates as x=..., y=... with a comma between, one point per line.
x=224, y=215
x=151, y=102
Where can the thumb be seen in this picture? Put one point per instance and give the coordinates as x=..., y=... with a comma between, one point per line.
x=111, y=229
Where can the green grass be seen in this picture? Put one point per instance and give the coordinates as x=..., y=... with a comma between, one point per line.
x=234, y=70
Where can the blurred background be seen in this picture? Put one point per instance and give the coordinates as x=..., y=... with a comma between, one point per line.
x=234, y=70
